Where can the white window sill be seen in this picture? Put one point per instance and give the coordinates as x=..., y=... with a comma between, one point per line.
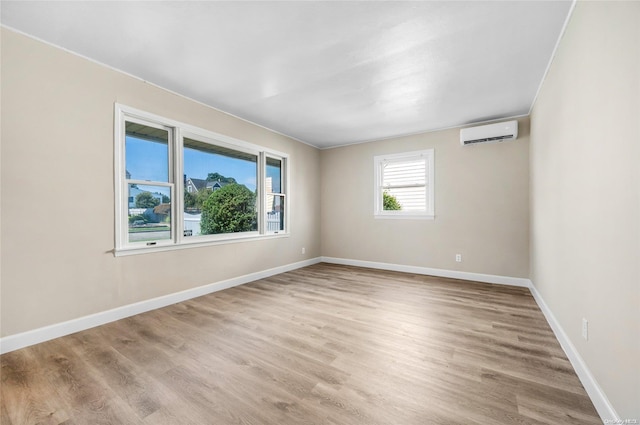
x=142, y=249
x=404, y=216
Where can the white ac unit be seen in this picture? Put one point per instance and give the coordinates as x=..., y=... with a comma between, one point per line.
x=498, y=132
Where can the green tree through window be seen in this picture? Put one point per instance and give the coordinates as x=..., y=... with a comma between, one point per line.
x=232, y=208
x=146, y=200
x=390, y=203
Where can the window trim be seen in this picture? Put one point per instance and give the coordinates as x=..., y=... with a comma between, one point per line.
x=178, y=131
x=284, y=170
x=429, y=212
x=214, y=141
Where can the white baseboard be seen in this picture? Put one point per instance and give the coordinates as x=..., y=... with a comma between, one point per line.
x=478, y=277
x=25, y=339
x=599, y=399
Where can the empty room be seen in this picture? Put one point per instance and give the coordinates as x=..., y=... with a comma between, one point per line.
x=320, y=212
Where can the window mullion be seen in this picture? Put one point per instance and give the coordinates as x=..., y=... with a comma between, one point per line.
x=122, y=197
x=284, y=190
x=178, y=200
x=262, y=194
x=147, y=182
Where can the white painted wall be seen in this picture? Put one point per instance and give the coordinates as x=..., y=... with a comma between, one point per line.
x=585, y=194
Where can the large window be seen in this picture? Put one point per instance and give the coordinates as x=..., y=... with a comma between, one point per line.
x=177, y=185
x=224, y=193
x=404, y=185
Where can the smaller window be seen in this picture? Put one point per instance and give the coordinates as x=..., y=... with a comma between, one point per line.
x=148, y=183
x=275, y=195
x=404, y=185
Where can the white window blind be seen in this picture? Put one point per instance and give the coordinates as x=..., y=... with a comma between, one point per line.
x=404, y=185
x=406, y=181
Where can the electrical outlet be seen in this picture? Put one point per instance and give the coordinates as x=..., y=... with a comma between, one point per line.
x=458, y=258
x=304, y=250
x=585, y=329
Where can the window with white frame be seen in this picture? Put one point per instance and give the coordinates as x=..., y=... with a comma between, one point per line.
x=179, y=185
x=404, y=185
x=227, y=200
x=274, y=188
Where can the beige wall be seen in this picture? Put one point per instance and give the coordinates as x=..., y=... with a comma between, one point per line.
x=585, y=190
x=481, y=206
x=58, y=192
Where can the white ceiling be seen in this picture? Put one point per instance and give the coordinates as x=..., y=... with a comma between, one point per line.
x=326, y=73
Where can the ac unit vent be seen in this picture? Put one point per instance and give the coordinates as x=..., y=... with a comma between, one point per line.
x=489, y=133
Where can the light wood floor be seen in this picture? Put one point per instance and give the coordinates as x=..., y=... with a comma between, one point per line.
x=325, y=344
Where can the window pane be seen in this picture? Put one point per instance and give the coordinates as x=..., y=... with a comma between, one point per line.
x=147, y=153
x=275, y=213
x=220, y=189
x=400, y=173
x=405, y=199
x=274, y=175
x=403, y=182
x=149, y=213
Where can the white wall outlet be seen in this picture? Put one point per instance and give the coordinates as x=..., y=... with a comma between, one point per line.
x=458, y=258
x=585, y=329
x=304, y=250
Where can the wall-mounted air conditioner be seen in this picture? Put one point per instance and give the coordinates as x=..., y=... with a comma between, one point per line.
x=499, y=132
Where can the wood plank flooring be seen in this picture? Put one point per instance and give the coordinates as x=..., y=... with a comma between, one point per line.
x=326, y=344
